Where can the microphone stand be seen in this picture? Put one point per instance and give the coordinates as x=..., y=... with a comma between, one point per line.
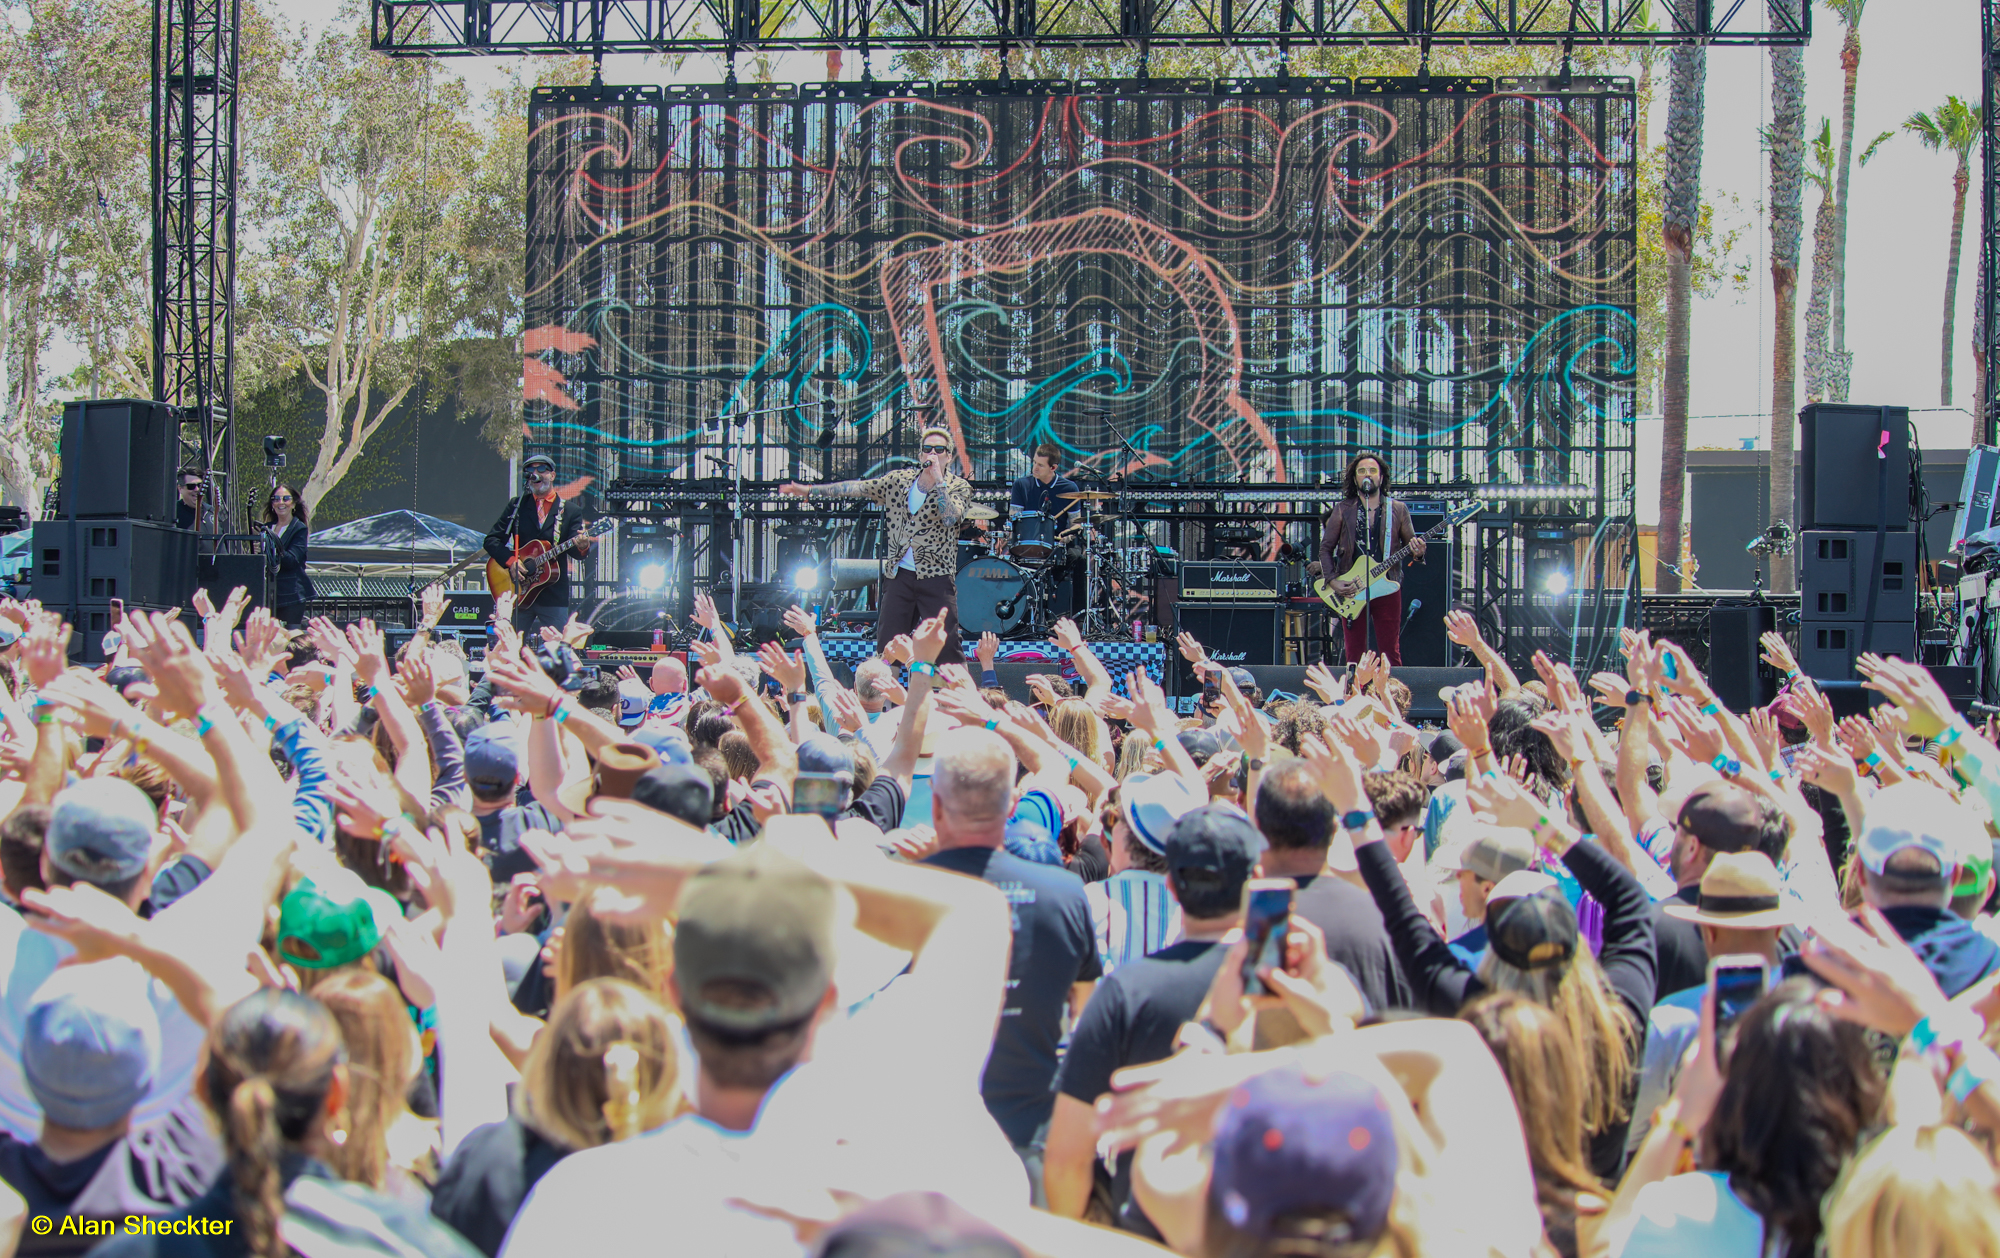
x=1093, y=615
x=736, y=423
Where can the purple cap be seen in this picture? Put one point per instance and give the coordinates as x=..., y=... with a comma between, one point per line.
x=1289, y=1142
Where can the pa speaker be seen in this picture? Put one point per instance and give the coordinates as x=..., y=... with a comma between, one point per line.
x=1426, y=706
x=119, y=460
x=1427, y=593
x=1736, y=668
x=1847, y=449
x=1828, y=649
x=94, y=561
x=1835, y=573
x=1231, y=636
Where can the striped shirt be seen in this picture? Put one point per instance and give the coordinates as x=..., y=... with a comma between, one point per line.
x=1132, y=914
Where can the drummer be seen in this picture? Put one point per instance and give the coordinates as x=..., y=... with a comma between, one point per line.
x=1042, y=490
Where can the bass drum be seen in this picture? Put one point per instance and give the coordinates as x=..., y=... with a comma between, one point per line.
x=992, y=596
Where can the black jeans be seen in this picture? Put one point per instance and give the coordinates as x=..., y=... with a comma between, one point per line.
x=535, y=615
x=908, y=599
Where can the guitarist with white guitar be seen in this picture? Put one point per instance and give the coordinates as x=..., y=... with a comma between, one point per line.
x=537, y=522
x=1369, y=524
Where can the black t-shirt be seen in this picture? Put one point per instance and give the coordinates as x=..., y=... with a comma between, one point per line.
x=882, y=803
x=1683, y=957
x=48, y=1186
x=481, y=1189
x=1132, y=1019
x=1356, y=938
x=500, y=839
x=1091, y=862
x=1053, y=949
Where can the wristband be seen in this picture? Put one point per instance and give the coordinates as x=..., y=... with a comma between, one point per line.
x=561, y=713
x=1160, y=745
x=1724, y=765
x=1711, y=708
x=1970, y=1077
x=1872, y=761
x=1474, y=755
x=270, y=723
x=1793, y=675
x=45, y=718
x=1947, y=1024
x=204, y=721
x=1777, y=775
x=924, y=668
x=1357, y=820
x=373, y=691
x=992, y=725
x=1073, y=763
x=1948, y=738
x=801, y=697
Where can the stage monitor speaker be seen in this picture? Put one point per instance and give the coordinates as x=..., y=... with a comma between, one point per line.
x=1848, y=698
x=219, y=574
x=1736, y=668
x=1429, y=584
x=472, y=610
x=94, y=561
x=120, y=460
x=1834, y=576
x=1426, y=707
x=1828, y=649
x=1960, y=683
x=1977, y=493
x=92, y=620
x=1840, y=483
x=1231, y=635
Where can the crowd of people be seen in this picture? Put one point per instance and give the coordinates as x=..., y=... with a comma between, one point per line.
x=313, y=947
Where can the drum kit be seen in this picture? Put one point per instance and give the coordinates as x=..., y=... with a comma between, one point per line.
x=1013, y=580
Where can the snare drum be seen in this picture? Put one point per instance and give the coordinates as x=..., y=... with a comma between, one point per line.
x=1034, y=536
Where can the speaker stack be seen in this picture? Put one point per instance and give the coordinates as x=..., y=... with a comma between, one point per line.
x=1232, y=608
x=113, y=536
x=1857, y=548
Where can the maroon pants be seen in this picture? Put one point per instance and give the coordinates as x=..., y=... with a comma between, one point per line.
x=1387, y=614
x=907, y=600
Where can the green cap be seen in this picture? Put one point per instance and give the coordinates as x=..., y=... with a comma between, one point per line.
x=753, y=949
x=332, y=920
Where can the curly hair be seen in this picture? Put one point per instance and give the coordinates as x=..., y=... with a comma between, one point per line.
x=1347, y=486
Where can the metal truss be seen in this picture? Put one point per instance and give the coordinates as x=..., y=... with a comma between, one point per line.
x=444, y=28
x=194, y=230
x=1986, y=330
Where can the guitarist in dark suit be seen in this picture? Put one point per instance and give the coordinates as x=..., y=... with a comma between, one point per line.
x=1369, y=522
x=538, y=515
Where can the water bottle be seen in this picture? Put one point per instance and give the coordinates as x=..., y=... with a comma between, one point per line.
x=1138, y=631
x=659, y=640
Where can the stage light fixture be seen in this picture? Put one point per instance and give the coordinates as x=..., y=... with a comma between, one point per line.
x=1556, y=583
x=1530, y=493
x=806, y=578
x=653, y=577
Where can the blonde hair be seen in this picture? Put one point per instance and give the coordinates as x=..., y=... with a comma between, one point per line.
x=1582, y=1000
x=1915, y=1192
x=1132, y=756
x=567, y=1091
x=1076, y=724
x=381, y=1059
x=641, y=953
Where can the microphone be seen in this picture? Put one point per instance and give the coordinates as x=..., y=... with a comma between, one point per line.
x=1004, y=609
x=1411, y=611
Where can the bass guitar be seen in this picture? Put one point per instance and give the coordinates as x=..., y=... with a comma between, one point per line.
x=539, y=563
x=1366, y=575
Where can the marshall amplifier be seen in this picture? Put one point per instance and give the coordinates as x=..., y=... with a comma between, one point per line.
x=1229, y=581
x=1246, y=633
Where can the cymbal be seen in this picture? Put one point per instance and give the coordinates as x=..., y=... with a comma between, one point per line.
x=1089, y=495
x=981, y=513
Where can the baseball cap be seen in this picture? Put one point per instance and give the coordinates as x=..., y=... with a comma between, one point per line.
x=101, y=831
x=1495, y=852
x=823, y=753
x=1290, y=1141
x=332, y=918
x=91, y=1045
x=1725, y=817
x=634, y=697
x=753, y=949
x=1442, y=745
x=679, y=790
x=1529, y=924
x=670, y=741
x=1919, y=816
x=1200, y=744
x=538, y=460
x=1246, y=681
x=1739, y=891
x=119, y=678
x=1214, y=837
x=914, y=1225
x=492, y=761
x=1152, y=802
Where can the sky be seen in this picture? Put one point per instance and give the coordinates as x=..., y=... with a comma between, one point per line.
x=1914, y=54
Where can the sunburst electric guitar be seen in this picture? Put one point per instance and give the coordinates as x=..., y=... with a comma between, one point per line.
x=540, y=562
x=1369, y=583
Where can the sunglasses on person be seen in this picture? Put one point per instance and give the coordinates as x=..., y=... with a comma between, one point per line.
x=937, y=449
x=281, y=498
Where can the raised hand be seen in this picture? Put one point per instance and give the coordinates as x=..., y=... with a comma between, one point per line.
x=929, y=637
x=788, y=669
x=847, y=710
x=1066, y=635
x=503, y=608
x=1764, y=735
x=184, y=676
x=989, y=646
x=1828, y=770
x=44, y=649
x=1697, y=735
x=433, y=600
x=1560, y=729
x=1611, y=689
x=722, y=684
x=800, y=622
x=1461, y=628
x=627, y=673
x=1813, y=709
x=1339, y=773
x=901, y=649
x=1927, y=709
x=371, y=663
x=705, y=613
x=418, y=678
x=1191, y=650
x=1502, y=801
x=263, y=642
x=1778, y=655
x=1331, y=687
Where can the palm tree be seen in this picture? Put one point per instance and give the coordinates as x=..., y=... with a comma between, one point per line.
x=1840, y=363
x=1786, y=141
x=1826, y=365
x=1952, y=127
x=1688, y=67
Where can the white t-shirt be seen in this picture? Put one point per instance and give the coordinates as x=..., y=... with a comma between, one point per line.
x=917, y=497
x=872, y=1113
x=27, y=958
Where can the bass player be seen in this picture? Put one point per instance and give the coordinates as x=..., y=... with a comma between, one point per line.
x=539, y=515
x=1368, y=522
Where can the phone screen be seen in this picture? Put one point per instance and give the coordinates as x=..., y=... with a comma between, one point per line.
x=818, y=794
x=1737, y=984
x=1267, y=909
x=1668, y=666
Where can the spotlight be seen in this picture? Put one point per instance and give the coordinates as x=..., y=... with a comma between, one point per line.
x=806, y=577
x=653, y=577
x=1556, y=583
